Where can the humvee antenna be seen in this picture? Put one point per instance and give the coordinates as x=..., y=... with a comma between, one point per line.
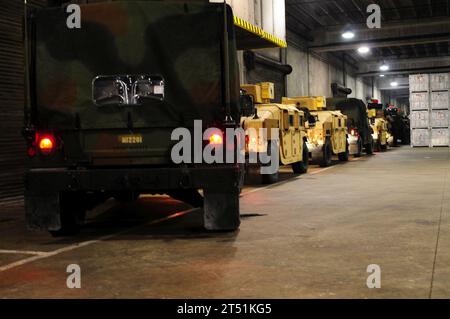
x=226, y=64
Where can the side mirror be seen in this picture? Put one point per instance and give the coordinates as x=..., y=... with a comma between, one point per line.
x=247, y=105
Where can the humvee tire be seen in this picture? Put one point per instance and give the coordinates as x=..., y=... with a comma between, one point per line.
x=343, y=157
x=302, y=167
x=72, y=214
x=369, y=148
x=221, y=210
x=376, y=147
x=326, y=153
x=360, y=147
x=269, y=178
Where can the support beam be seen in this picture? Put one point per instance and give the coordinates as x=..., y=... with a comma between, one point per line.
x=410, y=32
x=403, y=66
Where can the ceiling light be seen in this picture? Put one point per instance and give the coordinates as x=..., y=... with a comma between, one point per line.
x=363, y=50
x=348, y=35
x=384, y=67
x=381, y=75
x=394, y=83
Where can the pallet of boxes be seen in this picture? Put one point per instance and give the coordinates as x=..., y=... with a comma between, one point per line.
x=429, y=106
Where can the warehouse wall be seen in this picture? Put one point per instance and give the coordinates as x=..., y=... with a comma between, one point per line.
x=12, y=144
x=266, y=14
x=313, y=75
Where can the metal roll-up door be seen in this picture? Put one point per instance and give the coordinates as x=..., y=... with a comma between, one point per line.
x=12, y=146
x=260, y=69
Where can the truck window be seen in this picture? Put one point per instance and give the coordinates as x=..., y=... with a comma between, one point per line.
x=286, y=120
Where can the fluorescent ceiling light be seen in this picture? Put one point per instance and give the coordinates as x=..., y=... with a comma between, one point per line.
x=348, y=35
x=384, y=67
x=363, y=50
x=381, y=75
x=394, y=83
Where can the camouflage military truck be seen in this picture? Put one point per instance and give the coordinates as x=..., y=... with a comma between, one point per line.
x=327, y=130
x=379, y=125
x=360, y=133
x=290, y=122
x=104, y=100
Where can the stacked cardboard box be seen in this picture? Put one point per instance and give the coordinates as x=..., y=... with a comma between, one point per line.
x=429, y=106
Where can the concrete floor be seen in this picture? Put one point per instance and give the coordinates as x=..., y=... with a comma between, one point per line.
x=311, y=236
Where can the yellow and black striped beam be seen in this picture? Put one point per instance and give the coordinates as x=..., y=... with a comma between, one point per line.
x=249, y=36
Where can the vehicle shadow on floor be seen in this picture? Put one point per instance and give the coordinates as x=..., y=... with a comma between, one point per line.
x=152, y=218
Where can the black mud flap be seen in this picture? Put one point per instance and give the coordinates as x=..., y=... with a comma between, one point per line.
x=42, y=212
x=221, y=210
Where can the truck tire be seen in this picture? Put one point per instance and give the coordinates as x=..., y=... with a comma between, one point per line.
x=327, y=152
x=377, y=146
x=369, y=148
x=221, y=210
x=72, y=214
x=343, y=157
x=269, y=178
x=360, y=147
x=302, y=166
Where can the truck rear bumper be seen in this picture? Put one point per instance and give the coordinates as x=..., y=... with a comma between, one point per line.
x=44, y=186
x=139, y=179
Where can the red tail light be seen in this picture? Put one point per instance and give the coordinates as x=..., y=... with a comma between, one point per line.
x=215, y=139
x=46, y=143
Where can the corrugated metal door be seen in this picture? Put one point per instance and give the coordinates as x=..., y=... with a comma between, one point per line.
x=12, y=146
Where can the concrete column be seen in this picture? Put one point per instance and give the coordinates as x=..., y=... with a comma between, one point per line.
x=279, y=19
x=267, y=15
x=258, y=12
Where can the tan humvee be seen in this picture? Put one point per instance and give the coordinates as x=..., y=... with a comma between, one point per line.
x=326, y=130
x=291, y=137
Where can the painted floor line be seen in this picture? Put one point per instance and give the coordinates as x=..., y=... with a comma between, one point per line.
x=89, y=242
x=23, y=252
x=322, y=170
x=42, y=255
x=285, y=181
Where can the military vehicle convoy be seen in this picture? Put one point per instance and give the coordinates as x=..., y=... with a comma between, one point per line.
x=290, y=122
x=360, y=133
x=379, y=125
x=103, y=101
x=326, y=130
